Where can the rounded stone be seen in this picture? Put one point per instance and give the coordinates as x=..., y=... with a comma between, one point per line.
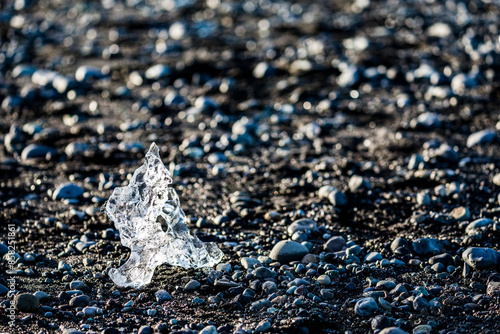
x=304, y=224
x=380, y=322
x=392, y=330
x=337, y=198
x=192, y=285
x=357, y=182
x=162, y=295
x=86, y=73
x=481, y=257
x=335, y=244
x=366, y=306
x=249, y=263
x=67, y=190
x=325, y=191
x=26, y=302
x=209, y=330
x=79, y=301
x=269, y=287
x=288, y=250
x=461, y=213
x=77, y=285
x=479, y=224
x=373, y=256
x=421, y=329
x=35, y=151
x=41, y=295
x=482, y=137
x=496, y=179
x=427, y=246
x=157, y=72
x=324, y=280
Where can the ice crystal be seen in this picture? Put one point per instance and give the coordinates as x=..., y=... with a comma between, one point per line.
x=152, y=224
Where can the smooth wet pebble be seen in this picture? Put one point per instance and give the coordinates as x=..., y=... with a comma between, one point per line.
x=26, y=302
x=481, y=257
x=482, y=137
x=366, y=306
x=288, y=250
x=67, y=190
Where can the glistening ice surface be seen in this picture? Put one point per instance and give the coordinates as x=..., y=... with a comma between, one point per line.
x=152, y=224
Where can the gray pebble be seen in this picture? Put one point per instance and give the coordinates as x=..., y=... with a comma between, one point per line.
x=90, y=311
x=481, y=257
x=162, y=295
x=415, y=161
x=420, y=303
x=23, y=71
x=87, y=73
x=399, y=289
x=67, y=190
x=392, y=330
x=192, y=285
x=303, y=224
x=77, y=285
x=335, y=244
x=380, y=322
x=63, y=266
x=260, y=304
x=357, y=182
x=263, y=70
x=79, y=301
x=366, y=306
x=225, y=267
x=63, y=84
x=41, y=295
x=438, y=267
x=288, y=250
x=461, y=213
x=249, y=263
x=422, y=329
x=263, y=326
x=35, y=151
x=26, y=302
x=349, y=76
x=427, y=120
x=157, y=72
x=269, y=287
x=373, y=256
x=386, y=284
x=427, y=246
x=325, y=191
x=496, y=179
x=493, y=289
x=423, y=198
x=145, y=330
x=478, y=225
x=71, y=331
x=75, y=149
x=482, y=137
x=209, y=330
x=43, y=77
x=262, y=272
x=324, y=280
x=337, y=198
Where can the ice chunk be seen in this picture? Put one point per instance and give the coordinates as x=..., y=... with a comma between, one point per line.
x=152, y=224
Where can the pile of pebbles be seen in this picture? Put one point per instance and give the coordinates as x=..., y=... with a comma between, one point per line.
x=343, y=155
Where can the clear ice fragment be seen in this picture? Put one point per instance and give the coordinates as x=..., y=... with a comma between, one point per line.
x=152, y=224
